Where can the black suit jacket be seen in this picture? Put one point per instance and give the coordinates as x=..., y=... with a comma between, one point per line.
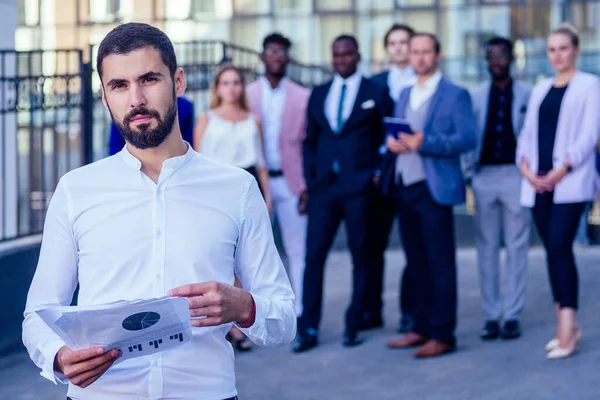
x=356, y=148
x=382, y=79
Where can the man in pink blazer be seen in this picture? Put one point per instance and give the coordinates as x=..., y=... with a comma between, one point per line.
x=281, y=104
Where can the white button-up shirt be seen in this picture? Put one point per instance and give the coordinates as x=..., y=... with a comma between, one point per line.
x=123, y=237
x=399, y=79
x=333, y=98
x=420, y=93
x=272, y=105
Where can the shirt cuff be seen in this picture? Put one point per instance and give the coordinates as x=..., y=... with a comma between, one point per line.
x=50, y=351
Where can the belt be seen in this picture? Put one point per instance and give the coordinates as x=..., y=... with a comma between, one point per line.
x=275, y=173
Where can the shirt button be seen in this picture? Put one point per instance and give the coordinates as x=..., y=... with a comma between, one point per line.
x=158, y=232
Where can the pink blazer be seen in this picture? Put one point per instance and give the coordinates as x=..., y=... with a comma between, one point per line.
x=576, y=138
x=293, y=130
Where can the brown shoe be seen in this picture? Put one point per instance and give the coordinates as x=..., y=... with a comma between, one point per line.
x=433, y=348
x=411, y=339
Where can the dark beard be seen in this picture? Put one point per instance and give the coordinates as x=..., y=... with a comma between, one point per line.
x=146, y=138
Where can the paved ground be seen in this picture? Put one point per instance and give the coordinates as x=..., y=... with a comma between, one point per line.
x=479, y=371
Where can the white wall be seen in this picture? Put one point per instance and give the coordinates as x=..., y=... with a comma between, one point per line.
x=8, y=139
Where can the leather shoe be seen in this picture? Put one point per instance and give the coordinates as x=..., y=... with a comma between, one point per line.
x=371, y=323
x=511, y=330
x=490, y=331
x=411, y=339
x=433, y=348
x=352, y=340
x=305, y=342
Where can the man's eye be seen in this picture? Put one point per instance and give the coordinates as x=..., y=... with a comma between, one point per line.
x=118, y=86
x=147, y=80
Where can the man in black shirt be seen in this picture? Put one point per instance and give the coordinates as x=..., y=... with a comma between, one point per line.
x=500, y=108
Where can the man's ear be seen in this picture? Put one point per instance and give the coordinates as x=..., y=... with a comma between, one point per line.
x=180, y=82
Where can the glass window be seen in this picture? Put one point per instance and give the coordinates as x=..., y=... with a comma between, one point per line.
x=249, y=33
x=328, y=28
x=415, y=3
x=251, y=6
x=368, y=5
x=29, y=12
x=299, y=31
x=292, y=6
x=461, y=41
x=333, y=5
x=424, y=21
x=585, y=17
x=371, y=32
x=104, y=10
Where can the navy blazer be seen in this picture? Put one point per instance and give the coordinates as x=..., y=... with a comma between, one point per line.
x=450, y=130
x=185, y=110
x=355, y=148
x=382, y=79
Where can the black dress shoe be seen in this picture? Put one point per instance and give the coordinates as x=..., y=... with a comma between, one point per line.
x=406, y=325
x=511, y=330
x=352, y=339
x=490, y=331
x=305, y=342
x=371, y=323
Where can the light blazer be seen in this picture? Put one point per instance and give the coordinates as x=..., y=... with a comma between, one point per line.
x=293, y=129
x=480, y=96
x=449, y=132
x=576, y=137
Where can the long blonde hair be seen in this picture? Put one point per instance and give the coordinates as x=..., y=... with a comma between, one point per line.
x=215, y=100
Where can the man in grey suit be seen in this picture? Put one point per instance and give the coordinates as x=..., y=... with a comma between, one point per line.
x=500, y=107
x=428, y=182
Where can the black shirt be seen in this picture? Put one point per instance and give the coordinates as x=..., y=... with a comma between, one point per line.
x=499, y=144
x=547, y=122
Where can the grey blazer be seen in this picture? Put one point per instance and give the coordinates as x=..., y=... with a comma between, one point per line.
x=480, y=97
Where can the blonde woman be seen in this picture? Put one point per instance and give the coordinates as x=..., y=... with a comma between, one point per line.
x=555, y=153
x=231, y=134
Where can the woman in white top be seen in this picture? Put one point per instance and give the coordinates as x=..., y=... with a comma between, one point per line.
x=229, y=133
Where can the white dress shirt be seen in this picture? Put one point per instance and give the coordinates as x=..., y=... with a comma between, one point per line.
x=272, y=105
x=123, y=237
x=399, y=79
x=420, y=93
x=333, y=98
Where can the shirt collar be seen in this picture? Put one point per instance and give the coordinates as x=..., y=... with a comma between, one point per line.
x=433, y=82
x=173, y=162
x=267, y=85
x=352, y=80
x=407, y=71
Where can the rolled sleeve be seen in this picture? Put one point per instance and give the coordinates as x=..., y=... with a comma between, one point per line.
x=261, y=273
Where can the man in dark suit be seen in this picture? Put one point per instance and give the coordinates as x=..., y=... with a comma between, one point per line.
x=341, y=152
x=400, y=76
x=428, y=174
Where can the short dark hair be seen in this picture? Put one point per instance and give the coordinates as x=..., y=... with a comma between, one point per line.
x=277, y=38
x=398, y=27
x=134, y=36
x=436, y=41
x=349, y=38
x=500, y=41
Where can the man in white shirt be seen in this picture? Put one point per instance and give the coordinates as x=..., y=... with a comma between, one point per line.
x=400, y=76
x=156, y=219
x=281, y=104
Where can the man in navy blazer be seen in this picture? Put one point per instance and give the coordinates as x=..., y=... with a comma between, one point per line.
x=399, y=76
x=341, y=152
x=428, y=180
x=186, y=122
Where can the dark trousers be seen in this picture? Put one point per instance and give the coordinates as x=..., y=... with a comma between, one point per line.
x=326, y=210
x=557, y=225
x=384, y=214
x=427, y=230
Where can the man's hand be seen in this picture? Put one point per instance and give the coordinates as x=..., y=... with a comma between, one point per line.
x=412, y=142
x=84, y=367
x=303, y=202
x=220, y=303
x=395, y=146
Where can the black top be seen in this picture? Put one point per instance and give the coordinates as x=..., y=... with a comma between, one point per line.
x=547, y=122
x=499, y=144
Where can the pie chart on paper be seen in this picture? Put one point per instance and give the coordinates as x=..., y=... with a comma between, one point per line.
x=139, y=321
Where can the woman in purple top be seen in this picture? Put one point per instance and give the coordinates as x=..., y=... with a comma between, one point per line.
x=556, y=155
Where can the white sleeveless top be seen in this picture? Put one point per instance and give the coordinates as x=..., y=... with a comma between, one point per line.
x=235, y=143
